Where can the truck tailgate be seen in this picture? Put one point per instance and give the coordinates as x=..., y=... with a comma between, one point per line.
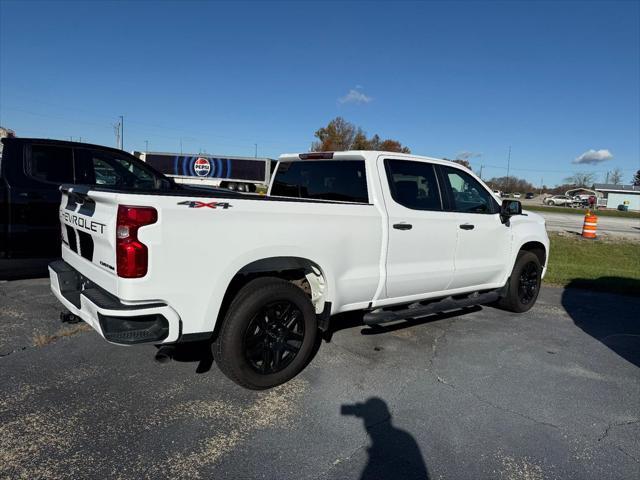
x=88, y=220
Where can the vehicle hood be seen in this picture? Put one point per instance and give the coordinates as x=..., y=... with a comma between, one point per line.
x=534, y=217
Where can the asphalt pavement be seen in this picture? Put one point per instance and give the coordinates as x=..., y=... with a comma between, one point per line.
x=612, y=227
x=479, y=393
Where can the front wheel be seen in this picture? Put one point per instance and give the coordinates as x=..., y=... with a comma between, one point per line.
x=268, y=334
x=524, y=284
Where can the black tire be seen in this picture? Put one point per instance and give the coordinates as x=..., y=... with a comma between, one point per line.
x=523, y=285
x=259, y=321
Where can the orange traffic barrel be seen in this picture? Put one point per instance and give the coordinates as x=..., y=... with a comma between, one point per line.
x=590, y=225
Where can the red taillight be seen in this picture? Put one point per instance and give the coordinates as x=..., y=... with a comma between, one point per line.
x=131, y=254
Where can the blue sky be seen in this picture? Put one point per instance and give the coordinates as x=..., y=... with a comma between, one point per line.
x=552, y=79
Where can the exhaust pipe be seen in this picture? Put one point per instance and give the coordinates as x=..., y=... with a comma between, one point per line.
x=165, y=353
x=68, y=317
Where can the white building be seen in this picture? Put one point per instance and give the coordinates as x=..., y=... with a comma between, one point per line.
x=616, y=195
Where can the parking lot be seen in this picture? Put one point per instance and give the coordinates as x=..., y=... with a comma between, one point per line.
x=481, y=393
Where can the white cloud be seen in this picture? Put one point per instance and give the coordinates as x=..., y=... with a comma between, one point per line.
x=355, y=96
x=594, y=156
x=466, y=155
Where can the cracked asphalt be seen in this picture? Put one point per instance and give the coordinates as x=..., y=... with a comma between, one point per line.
x=479, y=393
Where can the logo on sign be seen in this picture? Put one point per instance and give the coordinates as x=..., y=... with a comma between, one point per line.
x=202, y=167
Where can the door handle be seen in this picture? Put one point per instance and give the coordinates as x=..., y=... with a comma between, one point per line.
x=467, y=226
x=402, y=226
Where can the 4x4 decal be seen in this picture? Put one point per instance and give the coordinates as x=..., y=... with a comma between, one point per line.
x=197, y=204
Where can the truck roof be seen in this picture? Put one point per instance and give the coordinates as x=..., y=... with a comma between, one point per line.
x=205, y=155
x=360, y=155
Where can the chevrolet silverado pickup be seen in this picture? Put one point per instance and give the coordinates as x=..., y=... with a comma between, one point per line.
x=394, y=235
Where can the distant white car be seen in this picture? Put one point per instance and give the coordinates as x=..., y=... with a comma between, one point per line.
x=558, y=200
x=516, y=195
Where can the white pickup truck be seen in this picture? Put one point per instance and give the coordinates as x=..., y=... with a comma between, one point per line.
x=395, y=235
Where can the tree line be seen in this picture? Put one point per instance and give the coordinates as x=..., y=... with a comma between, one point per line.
x=340, y=135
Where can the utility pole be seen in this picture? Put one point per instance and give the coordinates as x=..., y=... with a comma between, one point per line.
x=146, y=145
x=607, y=180
x=541, y=184
x=121, y=132
x=180, y=145
x=116, y=130
x=481, y=167
x=508, y=166
x=256, y=145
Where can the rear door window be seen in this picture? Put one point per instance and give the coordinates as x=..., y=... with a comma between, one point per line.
x=51, y=164
x=413, y=184
x=337, y=180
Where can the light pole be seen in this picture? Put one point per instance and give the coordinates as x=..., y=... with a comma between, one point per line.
x=256, y=153
x=146, y=145
x=508, y=167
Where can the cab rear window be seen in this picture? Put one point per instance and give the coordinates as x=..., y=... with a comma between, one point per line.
x=336, y=180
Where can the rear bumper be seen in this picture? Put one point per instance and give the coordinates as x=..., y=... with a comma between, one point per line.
x=117, y=322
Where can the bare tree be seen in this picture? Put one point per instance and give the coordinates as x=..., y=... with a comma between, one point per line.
x=510, y=184
x=581, y=179
x=636, y=179
x=615, y=177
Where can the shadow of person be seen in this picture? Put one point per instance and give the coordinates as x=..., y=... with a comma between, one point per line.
x=610, y=318
x=393, y=453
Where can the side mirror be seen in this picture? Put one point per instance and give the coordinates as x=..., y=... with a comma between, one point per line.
x=509, y=208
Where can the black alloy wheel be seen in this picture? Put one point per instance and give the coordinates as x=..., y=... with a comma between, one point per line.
x=268, y=334
x=528, y=283
x=274, y=337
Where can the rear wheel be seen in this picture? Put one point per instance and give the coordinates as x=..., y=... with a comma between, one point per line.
x=524, y=284
x=268, y=334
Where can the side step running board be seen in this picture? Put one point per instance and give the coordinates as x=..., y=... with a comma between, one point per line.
x=419, y=309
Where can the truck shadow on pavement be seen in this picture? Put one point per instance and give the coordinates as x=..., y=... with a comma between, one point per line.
x=393, y=453
x=609, y=318
x=195, y=352
x=201, y=352
x=343, y=321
